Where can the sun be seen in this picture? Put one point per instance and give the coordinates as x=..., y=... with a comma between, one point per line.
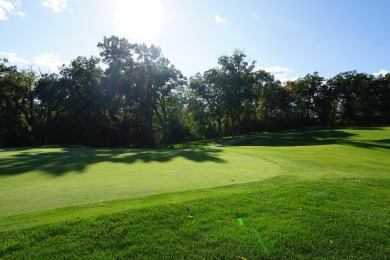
x=138, y=18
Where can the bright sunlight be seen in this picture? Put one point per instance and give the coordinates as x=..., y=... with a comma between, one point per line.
x=138, y=18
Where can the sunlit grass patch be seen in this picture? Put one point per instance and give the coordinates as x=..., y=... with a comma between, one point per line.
x=317, y=195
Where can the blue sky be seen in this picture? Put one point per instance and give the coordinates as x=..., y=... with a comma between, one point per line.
x=289, y=38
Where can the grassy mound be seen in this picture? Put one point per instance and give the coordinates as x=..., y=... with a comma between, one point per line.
x=322, y=194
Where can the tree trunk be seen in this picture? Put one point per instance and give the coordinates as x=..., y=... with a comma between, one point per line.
x=2, y=133
x=165, y=129
x=238, y=122
x=46, y=137
x=219, y=122
x=149, y=117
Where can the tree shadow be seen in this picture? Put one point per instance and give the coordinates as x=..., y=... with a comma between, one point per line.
x=378, y=144
x=319, y=137
x=298, y=139
x=365, y=128
x=59, y=161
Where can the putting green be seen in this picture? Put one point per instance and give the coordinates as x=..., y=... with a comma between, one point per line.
x=36, y=179
x=44, y=178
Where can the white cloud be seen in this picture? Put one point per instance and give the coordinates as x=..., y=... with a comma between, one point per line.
x=380, y=72
x=55, y=5
x=49, y=61
x=7, y=8
x=13, y=57
x=280, y=73
x=219, y=19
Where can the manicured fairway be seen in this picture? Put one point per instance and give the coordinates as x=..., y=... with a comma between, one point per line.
x=46, y=178
x=317, y=195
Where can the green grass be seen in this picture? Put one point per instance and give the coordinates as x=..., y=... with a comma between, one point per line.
x=318, y=195
x=45, y=178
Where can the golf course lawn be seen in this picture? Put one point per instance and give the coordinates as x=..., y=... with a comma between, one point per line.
x=45, y=178
x=322, y=194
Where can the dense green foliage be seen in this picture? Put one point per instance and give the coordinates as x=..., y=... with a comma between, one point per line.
x=140, y=99
x=327, y=198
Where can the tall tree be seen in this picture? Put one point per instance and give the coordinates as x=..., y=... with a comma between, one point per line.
x=51, y=94
x=257, y=106
x=207, y=89
x=15, y=88
x=274, y=107
x=150, y=80
x=167, y=82
x=355, y=99
x=313, y=99
x=127, y=116
x=381, y=96
x=86, y=114
x=237, y=79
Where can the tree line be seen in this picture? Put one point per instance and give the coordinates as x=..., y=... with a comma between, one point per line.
x=132, y=96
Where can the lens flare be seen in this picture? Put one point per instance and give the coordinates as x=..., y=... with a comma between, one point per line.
x=240, y=223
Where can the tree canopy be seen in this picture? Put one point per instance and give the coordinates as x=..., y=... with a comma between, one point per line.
x=133, y=96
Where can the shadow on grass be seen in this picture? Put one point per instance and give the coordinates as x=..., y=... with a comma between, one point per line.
x=320, y=137
x=59, y=161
